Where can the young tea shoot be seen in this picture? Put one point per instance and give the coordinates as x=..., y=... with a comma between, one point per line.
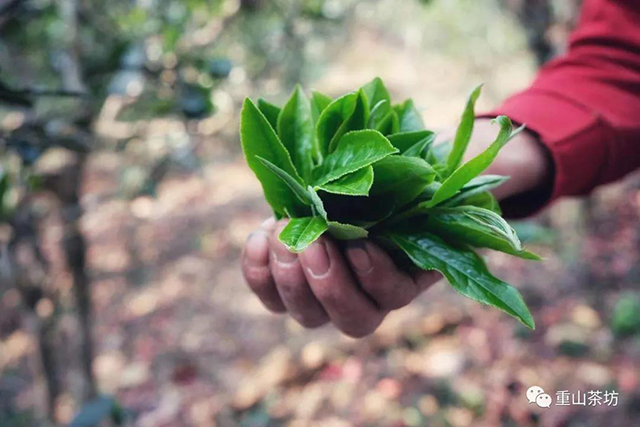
x=360, y=167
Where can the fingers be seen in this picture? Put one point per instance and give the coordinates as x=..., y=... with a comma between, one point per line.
x=331, y=281
x=378, y=275
x=292, y=285
x=255, y=267
x=354, y=291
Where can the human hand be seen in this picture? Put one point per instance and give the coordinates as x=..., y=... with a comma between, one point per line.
x=354, y=288
x=357, y=287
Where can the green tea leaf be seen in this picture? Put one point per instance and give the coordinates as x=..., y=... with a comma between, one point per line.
x=477, y=227
x=378, y=114
x=320, y=100
x=395, y=124
x=430, y=190
x=389, y=124
x=270, y=111
x=299, y=233
x=475, y=166
x=383, y=118
x=419, y=150
x=318, y=104
x=357, y=121
x=376, y=92
x=406, y=140
x=336, y=229
x=332, y=117
x=477, y=185
x=291, y=182
x=409, y=116
x=420, y=203
x=296, y=131
x=318, y=205
x=260, y=140
x=464, y=270
x=438, y=155
x=355, y=150
x=330, y=167
x=399, y=180
x=463, y=134
x=356, y=183
x=484, y=200
x=381, y=107
x=346, y=231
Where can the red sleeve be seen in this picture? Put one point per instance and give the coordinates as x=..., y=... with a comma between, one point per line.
x=585, y=106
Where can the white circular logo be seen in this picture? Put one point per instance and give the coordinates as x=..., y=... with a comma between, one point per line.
x=533, y=392
x=543, y=400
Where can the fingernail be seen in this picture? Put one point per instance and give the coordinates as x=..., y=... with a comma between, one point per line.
x=256, y=249
x=317, y=258
x=359, y=257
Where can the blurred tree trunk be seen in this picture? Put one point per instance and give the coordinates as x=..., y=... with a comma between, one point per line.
x=536, y=18
x=75, y=247
x=68, y=192
x=546, y=24
x=27, y=268
x=47, y=328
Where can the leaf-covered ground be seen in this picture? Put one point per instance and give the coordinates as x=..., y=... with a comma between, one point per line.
x=193, y=343
x=181, y=340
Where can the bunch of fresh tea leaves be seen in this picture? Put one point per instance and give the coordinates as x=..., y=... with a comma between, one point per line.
x=361, y=167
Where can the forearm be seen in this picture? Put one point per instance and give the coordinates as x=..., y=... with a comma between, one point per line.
x=583, y=107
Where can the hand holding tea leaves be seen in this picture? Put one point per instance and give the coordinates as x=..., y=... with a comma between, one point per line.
x=355, y=175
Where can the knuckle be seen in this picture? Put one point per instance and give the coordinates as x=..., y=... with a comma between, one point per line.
x=290, y=271
x=290, y=290
x=391, y=293
x=288, y=275
x=328, y=293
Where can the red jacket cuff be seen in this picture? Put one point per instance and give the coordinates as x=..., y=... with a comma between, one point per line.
x=573, y=135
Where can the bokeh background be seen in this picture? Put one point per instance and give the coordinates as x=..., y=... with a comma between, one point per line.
x=125, y=202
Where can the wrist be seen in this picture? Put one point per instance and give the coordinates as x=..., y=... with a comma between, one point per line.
x=524, y=159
